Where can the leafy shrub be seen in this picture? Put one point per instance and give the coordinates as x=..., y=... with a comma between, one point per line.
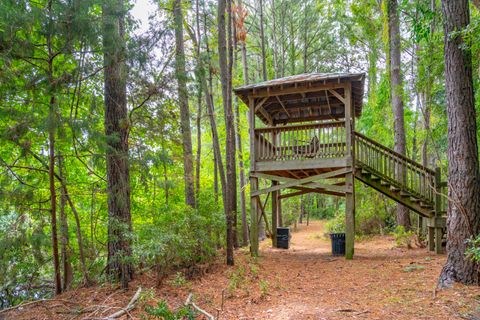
x=180, y=237
x=473, y=249
x=162, y=311
x=403, y=238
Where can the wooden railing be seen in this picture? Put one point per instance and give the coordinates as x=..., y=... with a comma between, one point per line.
x=310, y=141
x=395, y=168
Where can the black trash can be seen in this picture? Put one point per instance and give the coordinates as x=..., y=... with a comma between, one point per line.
x=338, y=244
x=283, y=238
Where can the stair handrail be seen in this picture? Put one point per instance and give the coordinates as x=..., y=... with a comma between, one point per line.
x=394, y=153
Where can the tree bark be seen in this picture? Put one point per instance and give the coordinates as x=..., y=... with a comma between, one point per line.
x=181, y=75
x=463, y=216
x=238, y=136
x=119, y=266
x=64, y=238
x=396, y=93
x=225, y=78
x=199, y=108
x=262, y=41
x=51, y=157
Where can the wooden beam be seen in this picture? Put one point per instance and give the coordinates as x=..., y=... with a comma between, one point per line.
x=283, y=106
x=299, y=90
x=260, y=104
x=338, y=96
x=301, y=181
x=266, y=115
x=301, y=164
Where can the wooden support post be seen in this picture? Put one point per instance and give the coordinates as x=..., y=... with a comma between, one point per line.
x=253, y=218
x=279, y=209
x=274, y=215
x=349, y=178
x=431, y=239
x=253, y=182
x=438, y=240
x=438, y=208
x=349, y=218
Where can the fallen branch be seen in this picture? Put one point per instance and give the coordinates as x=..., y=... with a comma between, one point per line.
x=34, y=302
x=129, y=307
x=191, y=303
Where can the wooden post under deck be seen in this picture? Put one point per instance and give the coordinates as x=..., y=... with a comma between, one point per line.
x=253, y=182
x=349, y=179
x=274, y=215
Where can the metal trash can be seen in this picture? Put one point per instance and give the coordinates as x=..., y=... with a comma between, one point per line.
x=283, y=238
x=338, y=244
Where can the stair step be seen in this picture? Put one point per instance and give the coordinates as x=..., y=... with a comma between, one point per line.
x=384, y=183
x=394, y=188
x=365, y=172
x=413, y=199
x=404, y=194
x=425, y=205
x=375, y=177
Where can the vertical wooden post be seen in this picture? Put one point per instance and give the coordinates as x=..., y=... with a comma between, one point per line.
x=279, y=209
x=274, y=215
x=438, y=208
x=431, y=238
x=349, y=178
x=253, y=181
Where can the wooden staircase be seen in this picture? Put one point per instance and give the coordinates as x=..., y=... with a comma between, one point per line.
x=398, y=177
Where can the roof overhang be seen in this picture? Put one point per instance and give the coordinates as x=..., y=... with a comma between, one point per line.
x=304, y=97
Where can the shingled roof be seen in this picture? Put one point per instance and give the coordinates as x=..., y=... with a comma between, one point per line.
x=304, y=97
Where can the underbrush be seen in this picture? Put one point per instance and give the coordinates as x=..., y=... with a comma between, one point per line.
x=180, y=238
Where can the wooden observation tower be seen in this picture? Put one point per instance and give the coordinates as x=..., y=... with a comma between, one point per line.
x=303, y=138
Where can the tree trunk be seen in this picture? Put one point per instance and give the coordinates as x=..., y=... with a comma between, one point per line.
x=274, y=34
x=64, y=238
x=199, y=109
x=181, y=75
x=396, y=92
x=463, y=216
x=119, y=266
x=225, y=79
x=51, y=157
x=238, y=136
x=262, y=41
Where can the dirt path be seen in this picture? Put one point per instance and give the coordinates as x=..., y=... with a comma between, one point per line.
x=304, y=282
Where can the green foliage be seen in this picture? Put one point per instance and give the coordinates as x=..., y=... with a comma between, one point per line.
x=403, y=238
x=179, y=280
x=413, y=267
x=180, y=236
x=473, y=249
x=264, y=288
x=162, y=311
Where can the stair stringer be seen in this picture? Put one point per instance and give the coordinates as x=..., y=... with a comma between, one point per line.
x=394, y=195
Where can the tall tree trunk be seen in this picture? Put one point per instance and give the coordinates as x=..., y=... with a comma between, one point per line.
x=199, y=108
x=231, y=159
x=64, y=238
x=463, y=216
x=396, y=92
x=262, y=41
x=275, y=47
x=119, y=265
x=183, y=101
x=230, y=196
x=238, y=136
x=51, y=157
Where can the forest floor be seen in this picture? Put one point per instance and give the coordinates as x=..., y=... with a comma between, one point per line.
x=304, y=282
